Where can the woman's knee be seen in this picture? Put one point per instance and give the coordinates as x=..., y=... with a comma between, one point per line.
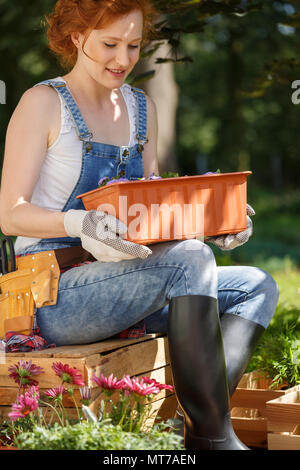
x=197, y=262
x=193, y=251
x=271, y=286
x=265, y=282
x=267, y=291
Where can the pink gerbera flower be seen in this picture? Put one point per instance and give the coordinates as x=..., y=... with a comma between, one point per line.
x=25, y=405
x=68, y=374
x=110, y=383
x=23, y=371
x=33, y=391
x=56, y=392
x=86, y=395
x=139, y=388
x=147, y=380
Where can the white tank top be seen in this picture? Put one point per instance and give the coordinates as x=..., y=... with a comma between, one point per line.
x=62, y=164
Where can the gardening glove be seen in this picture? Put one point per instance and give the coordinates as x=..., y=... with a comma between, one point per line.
x=231, y=241
x=101, y=235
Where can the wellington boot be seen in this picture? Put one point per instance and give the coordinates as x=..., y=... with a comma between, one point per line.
x=199, y=373
x=240, y=338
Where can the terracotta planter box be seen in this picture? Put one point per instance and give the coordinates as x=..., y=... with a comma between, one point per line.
x=283, y=416
x=8, y=448
x=175, y=208
x=248, y=407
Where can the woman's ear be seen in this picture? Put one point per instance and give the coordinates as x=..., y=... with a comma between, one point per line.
x=76, y=39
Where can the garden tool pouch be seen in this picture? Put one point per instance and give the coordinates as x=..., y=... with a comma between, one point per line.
x=34, y=284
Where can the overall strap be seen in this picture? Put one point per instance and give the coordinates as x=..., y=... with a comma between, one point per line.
x=61, y=88
x=142, y=115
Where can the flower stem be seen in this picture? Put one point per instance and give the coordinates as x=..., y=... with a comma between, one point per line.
x=124, y=414
x=77, y=409
x=54, y=409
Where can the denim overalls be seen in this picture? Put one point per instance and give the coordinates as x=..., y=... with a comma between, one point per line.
x=98, y=159
x=99, y=300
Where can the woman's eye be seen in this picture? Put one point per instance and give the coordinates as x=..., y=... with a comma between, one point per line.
x=113, y=45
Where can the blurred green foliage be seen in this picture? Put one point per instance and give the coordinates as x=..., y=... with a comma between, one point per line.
x=235, y=62
x=235, y=109
x=275, y=244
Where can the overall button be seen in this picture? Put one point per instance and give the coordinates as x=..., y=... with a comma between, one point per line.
x=140, y=148
x=125, y=153
x=88, y=147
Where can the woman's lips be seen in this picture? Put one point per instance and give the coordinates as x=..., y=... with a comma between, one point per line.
x=116, y=74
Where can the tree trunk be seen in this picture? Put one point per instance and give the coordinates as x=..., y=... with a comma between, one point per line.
x=163, y=89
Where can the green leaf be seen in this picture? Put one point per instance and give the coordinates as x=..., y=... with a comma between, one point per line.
x=142, y=78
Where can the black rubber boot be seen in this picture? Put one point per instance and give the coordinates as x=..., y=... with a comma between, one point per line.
x=240, y=338
x=199, y=373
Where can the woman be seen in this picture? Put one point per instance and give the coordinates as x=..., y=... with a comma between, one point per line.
x=65, y=135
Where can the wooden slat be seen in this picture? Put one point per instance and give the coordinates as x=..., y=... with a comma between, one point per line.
x=47, y=379
x=249, y=424
x=254, y=398
x=250, y=394
x=249, y=407
x=132, y=360
x=274, y=426
x=83, y=350
x=8, y=395
x=284, y=413
x=162, y=375
x=283, y=441
x=162, y=410
x=253, y=438
x=256, y=379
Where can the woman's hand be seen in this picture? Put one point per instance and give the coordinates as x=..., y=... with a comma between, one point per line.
x=101, y=235
x=231, y=241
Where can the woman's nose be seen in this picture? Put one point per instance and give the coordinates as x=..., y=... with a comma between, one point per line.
x=122, y=57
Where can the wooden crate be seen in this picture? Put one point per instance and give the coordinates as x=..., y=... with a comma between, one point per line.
x=248, y=408
x=285, y=440
x=283, y=416
x=136, y=357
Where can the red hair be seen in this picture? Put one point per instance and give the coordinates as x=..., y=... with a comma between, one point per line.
x=85, y=15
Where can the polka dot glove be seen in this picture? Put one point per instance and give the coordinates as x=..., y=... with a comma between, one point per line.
x=101, y=235
x=231, y=241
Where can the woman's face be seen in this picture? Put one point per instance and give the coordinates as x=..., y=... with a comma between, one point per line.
x=115, y=50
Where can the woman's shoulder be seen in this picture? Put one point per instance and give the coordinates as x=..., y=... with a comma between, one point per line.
x=39, y=99
x=38, y=106
x=41, y=94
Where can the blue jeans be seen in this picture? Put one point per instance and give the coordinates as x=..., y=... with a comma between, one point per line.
x=98, y=300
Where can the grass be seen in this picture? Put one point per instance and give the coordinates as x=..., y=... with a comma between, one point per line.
x=275, y=247
x=275, y=243
x=289, y=287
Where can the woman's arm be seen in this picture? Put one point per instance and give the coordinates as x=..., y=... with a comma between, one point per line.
x=150, y=152
x=27, y=137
